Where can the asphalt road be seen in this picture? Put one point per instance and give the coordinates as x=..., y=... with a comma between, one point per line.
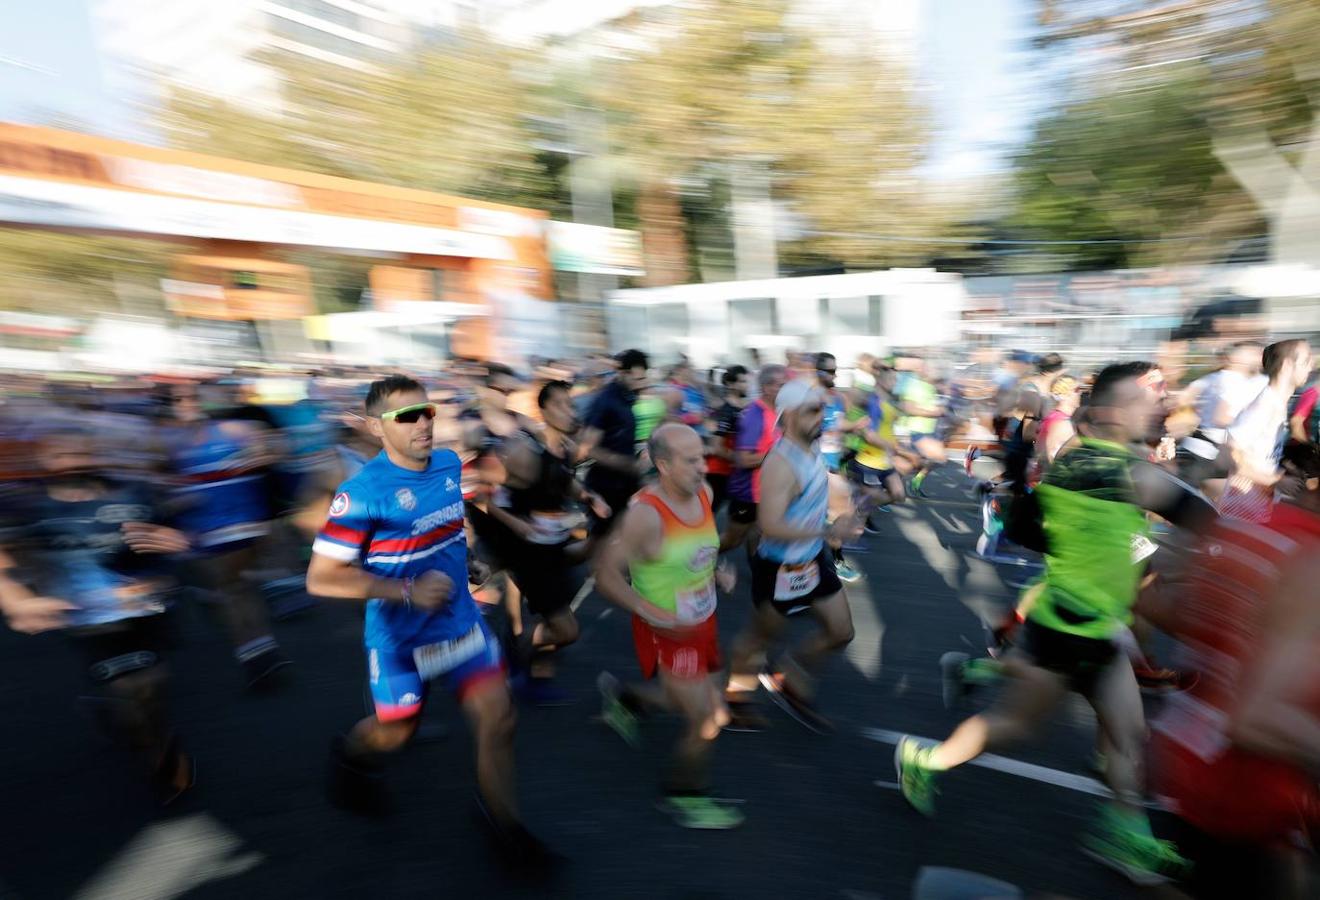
x=76, y=821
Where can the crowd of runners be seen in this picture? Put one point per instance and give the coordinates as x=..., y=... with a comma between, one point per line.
x=471, y=509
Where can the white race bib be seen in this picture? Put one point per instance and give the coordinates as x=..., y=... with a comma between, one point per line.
x=796, y=580
x=1142, y=548
x=434, y=660
x=1199, y=727
x=552, y=528
x=696, y=605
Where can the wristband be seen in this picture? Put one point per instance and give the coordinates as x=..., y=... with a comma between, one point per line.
x=407, y=592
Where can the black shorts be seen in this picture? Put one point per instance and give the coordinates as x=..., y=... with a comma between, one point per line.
x=218, y=572
x=1196, y=469
x=868, y=476
x=719, y=490
x=616, y=495
x=496, y=543
x=742, y=512
x=765, y=575
x=1081, y=660
x=545, y=576
x=118, y=648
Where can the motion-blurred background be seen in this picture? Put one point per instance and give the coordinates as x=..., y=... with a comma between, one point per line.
x=201, y=183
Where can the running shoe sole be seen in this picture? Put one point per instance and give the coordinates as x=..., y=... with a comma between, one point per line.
x=267, y=677
x=898, y=771
x=609, y=687
x=777, y=695
x=898, y=774
x=677, y=819
x=1139, y=877
x=745, y=718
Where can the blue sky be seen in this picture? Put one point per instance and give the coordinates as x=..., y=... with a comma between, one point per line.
x=971, y=57
x=974, y=58
x=48, y=65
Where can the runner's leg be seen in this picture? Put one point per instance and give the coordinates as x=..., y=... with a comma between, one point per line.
x=1117, y=703
x=1030, y=694
x=691, y=698
x=747, y=655
x=805, y=661
x=490, y=712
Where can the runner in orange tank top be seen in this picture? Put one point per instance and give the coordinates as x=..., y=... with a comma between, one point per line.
x=662, y=569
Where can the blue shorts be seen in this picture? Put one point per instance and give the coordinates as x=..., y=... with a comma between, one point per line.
x=868, y=475
x=400, y=677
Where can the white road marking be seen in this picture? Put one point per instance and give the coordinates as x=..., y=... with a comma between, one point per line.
x=1069, y=780
x=169, y=859
x=583, y=592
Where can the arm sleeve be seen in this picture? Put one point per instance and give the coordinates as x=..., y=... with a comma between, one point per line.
x=347, y=531
x=1170, y=498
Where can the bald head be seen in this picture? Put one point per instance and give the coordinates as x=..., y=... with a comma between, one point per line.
x=680, y=458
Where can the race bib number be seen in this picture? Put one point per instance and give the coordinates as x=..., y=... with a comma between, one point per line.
x=434, y=660
x=1199, y=727
x=796, y=580
x=697, y=605
x=1142, y=548
x=555, y=528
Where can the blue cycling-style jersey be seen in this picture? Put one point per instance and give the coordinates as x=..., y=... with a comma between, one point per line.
x=226, y=502
x=831, y=431
x=399, y=523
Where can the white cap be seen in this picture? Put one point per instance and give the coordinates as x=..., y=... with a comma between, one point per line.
x=797, y=393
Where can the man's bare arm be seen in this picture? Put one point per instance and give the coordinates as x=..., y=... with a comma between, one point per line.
x=639, y=538
x=327, y=577
x=778, y=486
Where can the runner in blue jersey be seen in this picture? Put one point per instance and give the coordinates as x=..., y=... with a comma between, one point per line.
x=833, y=428
x=84, y=553
x=220, y=466
x=394, y=539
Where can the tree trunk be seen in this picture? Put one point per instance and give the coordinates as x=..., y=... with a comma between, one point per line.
x=1288, y=196
x=664, y=240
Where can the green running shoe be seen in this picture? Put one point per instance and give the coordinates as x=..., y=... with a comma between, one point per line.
x=1135, y=853
x=701, y=813
x=915, y=777
x=614, y=713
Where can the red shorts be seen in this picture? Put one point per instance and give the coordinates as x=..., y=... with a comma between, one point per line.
x=688, y=653
x=1239, y=796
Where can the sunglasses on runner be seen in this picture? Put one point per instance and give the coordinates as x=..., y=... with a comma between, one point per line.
x=408, y=415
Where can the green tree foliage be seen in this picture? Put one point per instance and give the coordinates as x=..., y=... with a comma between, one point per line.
x=71, y=275
x=1133, y=168
x=1189, y=123
x=834, y=126
x=450, y=118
